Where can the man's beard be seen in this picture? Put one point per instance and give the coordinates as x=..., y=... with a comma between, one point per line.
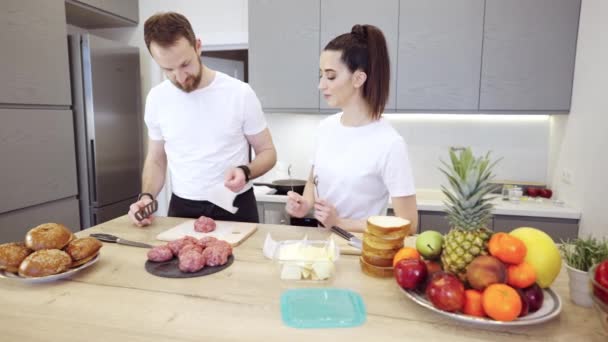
x=192, y=82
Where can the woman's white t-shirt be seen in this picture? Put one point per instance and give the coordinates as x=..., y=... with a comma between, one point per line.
x=358, y=168
x=204, y=131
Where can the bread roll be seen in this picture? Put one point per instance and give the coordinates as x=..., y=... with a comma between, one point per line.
x=83, y=249
x=388, y=227
x=48, y=236
x=12, y=254
x=44, y=263
x=375, y=271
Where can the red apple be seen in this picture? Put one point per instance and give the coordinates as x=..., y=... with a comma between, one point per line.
x=546, y=193
x=446, y=292
x=532, y=192
x=534, y=296
x=432, y=267
x=601, y=278
x=410, y=273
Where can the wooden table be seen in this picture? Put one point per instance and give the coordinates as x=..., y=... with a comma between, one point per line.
x=117, y=300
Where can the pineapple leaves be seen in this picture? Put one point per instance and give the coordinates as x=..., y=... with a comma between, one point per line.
x=466, y=200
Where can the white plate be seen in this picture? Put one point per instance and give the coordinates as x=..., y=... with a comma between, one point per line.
x=552, y=306
x=9, y=275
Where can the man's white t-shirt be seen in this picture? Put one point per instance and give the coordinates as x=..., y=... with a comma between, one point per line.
x=357, y=168
x=204, y=131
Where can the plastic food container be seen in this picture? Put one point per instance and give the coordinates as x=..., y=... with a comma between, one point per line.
x=322, y=308
x=306, y=260
x=599, y=294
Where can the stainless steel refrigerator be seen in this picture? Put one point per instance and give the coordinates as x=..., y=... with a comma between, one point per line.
x=108, y=126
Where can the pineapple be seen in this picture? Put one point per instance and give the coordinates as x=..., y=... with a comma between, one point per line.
x=468, y=210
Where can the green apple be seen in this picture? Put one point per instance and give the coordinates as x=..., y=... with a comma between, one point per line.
x=429, y=244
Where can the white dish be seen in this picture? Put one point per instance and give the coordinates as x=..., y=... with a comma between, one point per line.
x=552, y=306
x=71, y=271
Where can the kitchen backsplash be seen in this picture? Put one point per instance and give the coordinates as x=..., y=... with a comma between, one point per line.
x=521, y=140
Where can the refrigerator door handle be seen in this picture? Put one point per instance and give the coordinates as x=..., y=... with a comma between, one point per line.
x=93, y=188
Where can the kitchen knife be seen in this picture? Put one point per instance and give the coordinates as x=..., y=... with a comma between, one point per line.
x=352, y=240
x=116, y=239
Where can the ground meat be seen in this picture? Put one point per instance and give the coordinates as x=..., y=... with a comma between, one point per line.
x=191, y=261
x=222, y=244
x=190, y=247
x=204, y=224
x=178, y=244
x=160, y=253
x=206, y=241
x=216, y=255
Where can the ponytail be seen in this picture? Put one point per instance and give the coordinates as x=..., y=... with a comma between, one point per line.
x=364, y=48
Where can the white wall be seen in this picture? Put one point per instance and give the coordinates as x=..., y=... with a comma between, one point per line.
x=584, y=149
x=521, y=140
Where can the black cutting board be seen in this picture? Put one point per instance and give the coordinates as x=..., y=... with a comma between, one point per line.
x=170, y=269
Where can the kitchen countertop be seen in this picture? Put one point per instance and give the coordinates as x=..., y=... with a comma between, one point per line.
x=432, y=200
x=117, y=300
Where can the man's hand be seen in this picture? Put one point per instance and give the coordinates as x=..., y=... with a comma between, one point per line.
x=137, y=206
x=326, y=213
x=296, y=205
x=234, y=179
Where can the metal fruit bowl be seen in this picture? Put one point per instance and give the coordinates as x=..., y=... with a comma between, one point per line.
x=599, y=294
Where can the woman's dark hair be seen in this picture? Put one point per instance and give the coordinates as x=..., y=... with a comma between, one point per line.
x=364, y=48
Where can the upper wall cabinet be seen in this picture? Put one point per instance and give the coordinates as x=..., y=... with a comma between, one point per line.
x=529, y=49
x=439, y=54
x=34, y=68
x=488, y=56
x=339, y=16
x=284, y=53
x=94, y=14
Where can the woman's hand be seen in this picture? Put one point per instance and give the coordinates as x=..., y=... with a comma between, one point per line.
x=326, y=213
x=296, y=205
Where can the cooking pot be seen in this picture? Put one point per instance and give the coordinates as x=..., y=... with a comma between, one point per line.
x=284, y=185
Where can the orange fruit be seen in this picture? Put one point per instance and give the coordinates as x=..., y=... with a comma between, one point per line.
x=472, y=303
x=521, y=276
x=405, y=253
x=507, y=248
x=501, y=302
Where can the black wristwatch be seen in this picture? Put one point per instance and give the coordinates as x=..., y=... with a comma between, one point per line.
x=145, y=194
x=246, y=171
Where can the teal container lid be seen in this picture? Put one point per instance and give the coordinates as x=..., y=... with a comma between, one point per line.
x=322, y=308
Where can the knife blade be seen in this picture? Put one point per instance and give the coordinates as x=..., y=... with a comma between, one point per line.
x=116, y=239
x=352, y=240
x=133, y=243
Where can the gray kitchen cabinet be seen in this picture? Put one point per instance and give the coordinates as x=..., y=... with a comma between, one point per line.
x=102, y=13
x=438, y=220
x=439, y=54
x=34, y=68
x=339, y=16
x=38, y=157
x=284, y=53
x=433, y=220
x=15, y=224
x=558, y=228
x=529, y=50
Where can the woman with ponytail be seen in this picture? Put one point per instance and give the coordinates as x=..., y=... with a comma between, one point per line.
x=360, y=160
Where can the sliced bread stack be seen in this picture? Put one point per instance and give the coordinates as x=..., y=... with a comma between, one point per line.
x=382, y=239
